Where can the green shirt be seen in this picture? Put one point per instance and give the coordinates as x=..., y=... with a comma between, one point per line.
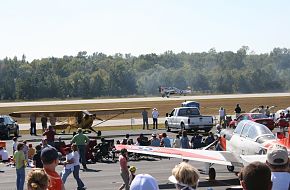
x=80, y=139
x=19, y=159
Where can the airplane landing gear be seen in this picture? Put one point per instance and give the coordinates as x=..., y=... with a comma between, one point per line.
x=230, y=168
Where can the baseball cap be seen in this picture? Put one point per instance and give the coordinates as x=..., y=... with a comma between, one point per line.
x=277, y=155
x=144, y=182
x=153, y=135
x=48, y=155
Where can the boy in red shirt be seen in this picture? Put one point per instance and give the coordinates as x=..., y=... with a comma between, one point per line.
x=49, y=157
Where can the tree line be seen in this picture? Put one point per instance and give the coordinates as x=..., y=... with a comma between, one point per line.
x=88, y=76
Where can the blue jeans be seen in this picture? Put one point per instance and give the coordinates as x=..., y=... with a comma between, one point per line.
x=65, y=174
x=20, y=178
x=82, y=152
x=76, y=173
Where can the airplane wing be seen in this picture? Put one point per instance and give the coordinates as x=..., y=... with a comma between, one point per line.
x=217, y=157
x=253, y=158
x=56, y=113
x=118, y=110
x=75, y=113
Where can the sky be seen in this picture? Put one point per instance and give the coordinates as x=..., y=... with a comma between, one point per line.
x=46, y=28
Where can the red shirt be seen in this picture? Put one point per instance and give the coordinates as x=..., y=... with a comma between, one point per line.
x=49, y=135
x=54, y=182
x=123, y=163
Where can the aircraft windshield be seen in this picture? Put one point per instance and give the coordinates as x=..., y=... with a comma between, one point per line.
x=263, y=130
x=258, y=116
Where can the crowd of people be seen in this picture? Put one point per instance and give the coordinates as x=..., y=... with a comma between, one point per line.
x=44, y=158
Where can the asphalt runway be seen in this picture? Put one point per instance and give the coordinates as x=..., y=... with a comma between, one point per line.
x=105, y=176
x=143, y=99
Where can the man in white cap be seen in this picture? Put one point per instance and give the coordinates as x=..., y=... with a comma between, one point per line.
x=155, y=115
x=278, y=161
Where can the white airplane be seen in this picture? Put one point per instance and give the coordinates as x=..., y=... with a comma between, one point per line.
x=248, y=142
x=167, y=91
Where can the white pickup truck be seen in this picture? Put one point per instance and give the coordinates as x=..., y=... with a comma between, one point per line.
x=188, y=118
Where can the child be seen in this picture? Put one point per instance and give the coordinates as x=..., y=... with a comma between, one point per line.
x=132, y=174
x=37, y=180
x=14, y=144
x=31, y=151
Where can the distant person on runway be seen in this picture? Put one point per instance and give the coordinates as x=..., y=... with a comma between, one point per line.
x=145, y=119
x=238, y=110
x=33, y=124
x=155, y=115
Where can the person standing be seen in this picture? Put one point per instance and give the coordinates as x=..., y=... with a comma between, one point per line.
x=155, y=115
x=76, y=172
x=68, y=164
x=33, y=124
x=43, y=123
x=145, y=119
x=184, y=141
x=52, y=120
x=238, y=110
x=176, y=142
x=278, y=161
x=49, y=158
x=50, y=134
x=124, y=172
x=81, y=141
x=19, y=159
x=15, y=143
x=222, y=114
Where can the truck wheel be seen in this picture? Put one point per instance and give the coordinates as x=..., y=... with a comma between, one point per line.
x=167, y=126
x=182, y=126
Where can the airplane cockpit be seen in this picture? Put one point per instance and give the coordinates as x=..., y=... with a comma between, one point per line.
x=254, y=131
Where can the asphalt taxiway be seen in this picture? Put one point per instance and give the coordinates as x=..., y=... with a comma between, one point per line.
x=105, y=176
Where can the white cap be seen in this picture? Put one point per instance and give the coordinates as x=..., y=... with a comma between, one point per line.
x=144, y=182
x=277, y=155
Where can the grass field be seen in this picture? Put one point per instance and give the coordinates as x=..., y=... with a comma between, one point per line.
x=208, y=107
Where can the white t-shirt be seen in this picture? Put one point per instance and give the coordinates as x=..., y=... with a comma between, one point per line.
x=281, y=180
x=69, y=157
x=4, y=154
x=222, y=113
x=15, y=146
x=76, y=157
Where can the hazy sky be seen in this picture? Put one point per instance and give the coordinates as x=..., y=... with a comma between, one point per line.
x=39, y=28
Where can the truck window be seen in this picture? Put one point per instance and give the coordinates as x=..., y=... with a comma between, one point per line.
x=188, y=112
x=172, y=113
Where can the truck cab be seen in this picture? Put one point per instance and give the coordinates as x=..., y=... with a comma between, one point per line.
x=188, y=118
